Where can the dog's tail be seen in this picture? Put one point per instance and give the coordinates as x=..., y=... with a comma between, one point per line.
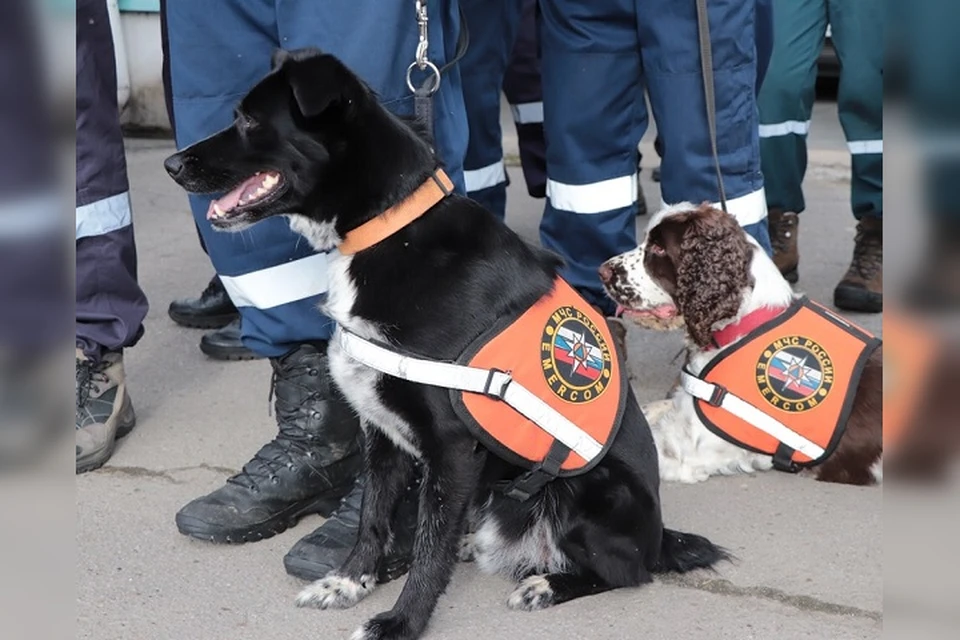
x=682, y=552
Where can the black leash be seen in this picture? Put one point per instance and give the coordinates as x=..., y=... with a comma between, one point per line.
x=706, y=64
x=423, y=95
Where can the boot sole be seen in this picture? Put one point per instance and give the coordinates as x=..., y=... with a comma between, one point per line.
x=323, y=505
x=232, y=354
x=856, y=299
x=203, y=322
x=389, y=570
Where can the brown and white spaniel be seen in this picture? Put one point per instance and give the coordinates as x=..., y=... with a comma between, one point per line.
x=697, y=262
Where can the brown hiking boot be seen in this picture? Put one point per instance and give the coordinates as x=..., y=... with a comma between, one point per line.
x=862, y=288
x=784, y=232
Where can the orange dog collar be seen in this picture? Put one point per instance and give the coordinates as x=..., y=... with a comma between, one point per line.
x=434, y=189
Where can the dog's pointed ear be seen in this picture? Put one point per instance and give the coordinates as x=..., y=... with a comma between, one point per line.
x=318, y=81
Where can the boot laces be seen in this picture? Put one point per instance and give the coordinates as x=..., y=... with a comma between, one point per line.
x=213, y=287
x=291, y=444
x=867, y=253
x=89, y=374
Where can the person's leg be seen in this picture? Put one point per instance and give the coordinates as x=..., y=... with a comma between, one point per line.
x=671, y=62
x=212, y=309
x=594, y=115
x=786, y=102
x=765, y=38
x=110, y=304
x=493, y=28
x=524, y=92
x=856, y=28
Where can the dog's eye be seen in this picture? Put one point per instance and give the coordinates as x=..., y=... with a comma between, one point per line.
x=656, y=249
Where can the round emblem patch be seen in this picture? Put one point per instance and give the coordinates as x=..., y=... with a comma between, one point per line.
x=577, y=362
x=795, y=374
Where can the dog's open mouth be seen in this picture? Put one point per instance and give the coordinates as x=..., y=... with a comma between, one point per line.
x=261, y=188
x=662, y=312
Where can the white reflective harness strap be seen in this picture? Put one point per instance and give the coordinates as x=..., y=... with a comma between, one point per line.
x=489, y=382
x=720, y=397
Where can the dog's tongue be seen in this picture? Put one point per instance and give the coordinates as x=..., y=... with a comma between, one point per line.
x=229, y=201
x=663, y=312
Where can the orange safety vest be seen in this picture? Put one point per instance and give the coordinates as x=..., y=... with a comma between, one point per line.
x=562, y=351
x=802, y=369
x=545, y=391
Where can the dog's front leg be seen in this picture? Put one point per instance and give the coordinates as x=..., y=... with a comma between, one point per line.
x=449, y=482
x=389, y=470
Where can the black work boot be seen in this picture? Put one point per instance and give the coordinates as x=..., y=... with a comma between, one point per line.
x=327, y=548
x=212, y=310
x=307, y=468
x=225, y=344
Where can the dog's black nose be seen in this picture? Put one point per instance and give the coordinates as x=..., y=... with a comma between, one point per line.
x=173, y=165
x=606, y=273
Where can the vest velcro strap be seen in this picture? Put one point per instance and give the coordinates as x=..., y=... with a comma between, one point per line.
x=783, y=459
x=530, y=483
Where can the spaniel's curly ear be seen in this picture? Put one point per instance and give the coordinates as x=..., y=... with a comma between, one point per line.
x=712, y=271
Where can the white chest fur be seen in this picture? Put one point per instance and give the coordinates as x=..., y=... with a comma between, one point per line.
x=358, y=382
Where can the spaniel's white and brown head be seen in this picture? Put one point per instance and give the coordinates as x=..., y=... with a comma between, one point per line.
x=694, y=261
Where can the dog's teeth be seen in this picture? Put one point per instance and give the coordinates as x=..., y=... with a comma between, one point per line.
x=261, y=191
x=217, y=210
x=270, y=181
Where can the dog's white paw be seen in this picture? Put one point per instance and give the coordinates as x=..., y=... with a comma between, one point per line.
x=531, y=594
x=468, y=548
x=335, y=592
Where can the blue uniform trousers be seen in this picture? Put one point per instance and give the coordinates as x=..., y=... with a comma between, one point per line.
x=110, y=304
x=218, y=50
x=597, y=57
x=503, y=55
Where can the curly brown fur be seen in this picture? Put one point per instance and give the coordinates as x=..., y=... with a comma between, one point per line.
x=711, y=258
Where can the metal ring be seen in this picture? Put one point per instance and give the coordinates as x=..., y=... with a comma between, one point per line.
x=432, y=68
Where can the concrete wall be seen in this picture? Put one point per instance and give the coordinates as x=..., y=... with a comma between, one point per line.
x=145, y=107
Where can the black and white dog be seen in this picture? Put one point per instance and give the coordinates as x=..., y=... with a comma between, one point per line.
x=311, y=142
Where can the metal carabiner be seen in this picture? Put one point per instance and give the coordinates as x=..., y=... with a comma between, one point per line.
x=424, y=43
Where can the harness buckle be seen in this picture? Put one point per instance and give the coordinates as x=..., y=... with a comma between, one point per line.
x=718, y=395
x=496, y=393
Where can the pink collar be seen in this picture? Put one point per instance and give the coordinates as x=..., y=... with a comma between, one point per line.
x=733, y=332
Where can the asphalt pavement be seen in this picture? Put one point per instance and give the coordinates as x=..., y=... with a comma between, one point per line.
x=809, y=555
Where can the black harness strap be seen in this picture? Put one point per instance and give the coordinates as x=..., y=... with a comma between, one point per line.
x=531, y=482
x=783, y=459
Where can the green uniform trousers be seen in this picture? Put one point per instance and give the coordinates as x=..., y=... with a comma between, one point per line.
x=787, y=95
